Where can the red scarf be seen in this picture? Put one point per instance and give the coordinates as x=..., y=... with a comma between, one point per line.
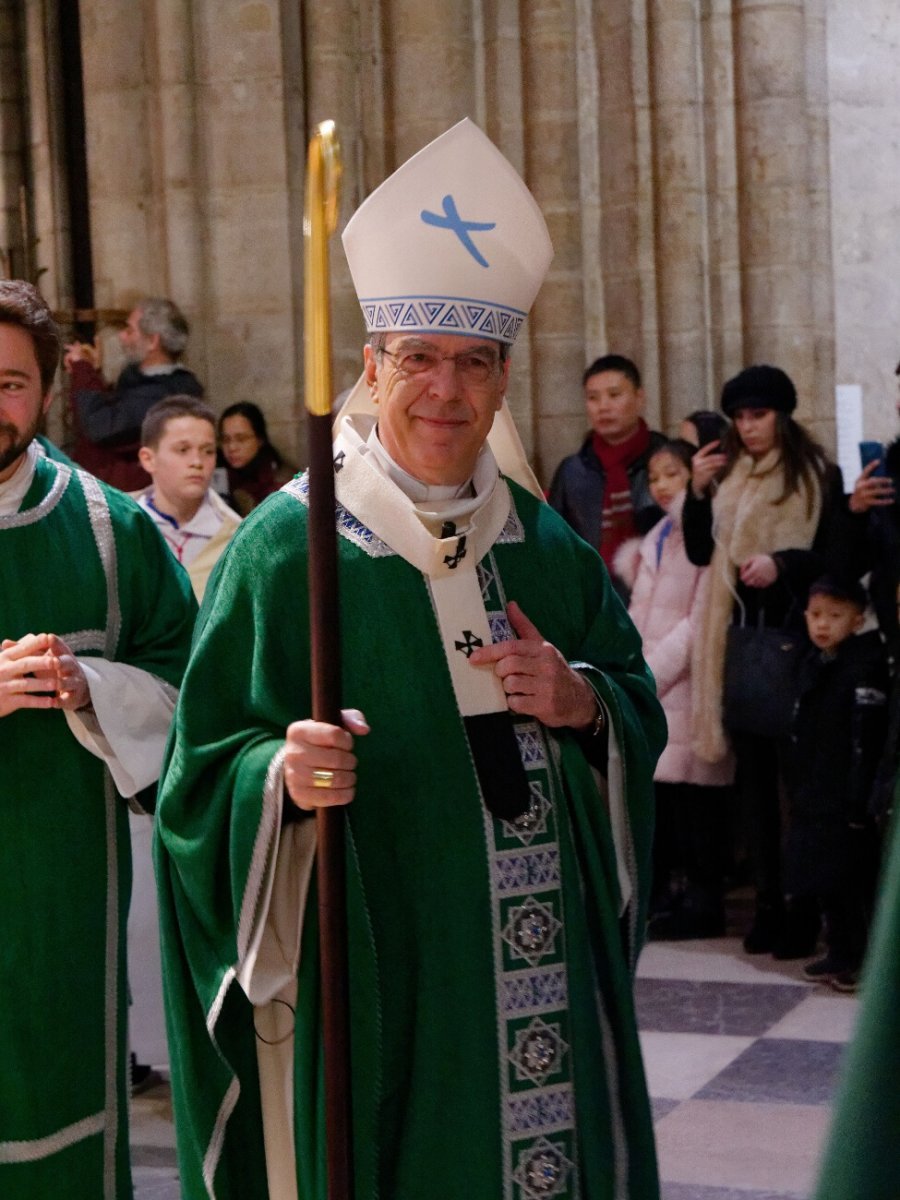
x=618, y=512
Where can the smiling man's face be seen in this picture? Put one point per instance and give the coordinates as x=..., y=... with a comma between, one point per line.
x=22, y=402
x=434, y=423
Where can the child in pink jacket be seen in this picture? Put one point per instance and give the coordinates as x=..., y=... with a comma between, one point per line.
x=667, y=596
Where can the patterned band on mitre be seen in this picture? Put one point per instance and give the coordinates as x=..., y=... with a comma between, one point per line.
x=442, y=314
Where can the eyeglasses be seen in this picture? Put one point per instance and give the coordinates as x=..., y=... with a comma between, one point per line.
x=472, y=366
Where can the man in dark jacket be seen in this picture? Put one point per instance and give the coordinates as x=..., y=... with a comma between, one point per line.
x=602, y=490
x=108, y=419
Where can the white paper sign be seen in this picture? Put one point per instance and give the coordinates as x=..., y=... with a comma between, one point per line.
x=849, y=421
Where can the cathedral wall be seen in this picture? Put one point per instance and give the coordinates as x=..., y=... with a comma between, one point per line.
x=699, y=163
x=864, y=119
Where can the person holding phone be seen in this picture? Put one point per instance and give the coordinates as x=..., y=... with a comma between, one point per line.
x=766, y=510
x=874, y=503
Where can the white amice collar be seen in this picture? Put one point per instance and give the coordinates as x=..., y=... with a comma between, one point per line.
x=408, y=484
x=14, y=490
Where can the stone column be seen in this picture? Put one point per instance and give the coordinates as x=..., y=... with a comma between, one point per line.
x=680, y=192
x=12, y=136
x=552, y=173
x=617, y=140
x=726, y=331
x=336, y=78
x=429, y=72
x=773, y=135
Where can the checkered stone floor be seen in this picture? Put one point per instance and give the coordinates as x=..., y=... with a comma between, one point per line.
x=741, y=1056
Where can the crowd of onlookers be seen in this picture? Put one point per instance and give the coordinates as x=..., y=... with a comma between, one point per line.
x=767, y=601
x=151, y=433
x=766, y=598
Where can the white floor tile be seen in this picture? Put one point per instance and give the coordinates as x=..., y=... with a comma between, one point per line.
x=763, y=1147
x=719, y=960
x=824, y=1016
x=679, y=1064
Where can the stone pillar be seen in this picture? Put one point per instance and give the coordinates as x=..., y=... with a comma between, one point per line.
x=552, y=172
x=189, y=186
x=680, y=193
x=12, y=136
x=428, y=71
x=726, y=330
x=774, y=160
x=864, y=123
x=336, y=77
x=617, y=140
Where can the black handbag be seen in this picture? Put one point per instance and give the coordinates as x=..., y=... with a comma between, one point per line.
x=761, y=678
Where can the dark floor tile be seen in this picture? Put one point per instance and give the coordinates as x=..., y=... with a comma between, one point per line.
x=693, y=1191
x=779, y=1070
x=153, y=1156
x=662, y=1107
x=699, y=1006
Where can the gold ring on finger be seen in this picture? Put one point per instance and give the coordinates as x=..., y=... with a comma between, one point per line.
x=322, y=779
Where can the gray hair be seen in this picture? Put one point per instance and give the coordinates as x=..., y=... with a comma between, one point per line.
x=161, y=316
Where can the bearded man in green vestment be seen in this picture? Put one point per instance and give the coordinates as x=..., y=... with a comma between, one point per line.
x=84, y=711
x=499, y=765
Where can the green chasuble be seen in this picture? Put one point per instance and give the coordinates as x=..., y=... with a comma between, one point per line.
x=81, y=560
x=862, y=1161
x=494, y=1048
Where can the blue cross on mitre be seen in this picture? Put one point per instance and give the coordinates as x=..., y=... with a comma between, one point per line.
x=453, y=221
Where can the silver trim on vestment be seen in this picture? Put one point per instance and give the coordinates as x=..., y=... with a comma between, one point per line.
x=30, y=515
x=85, y=640
x=101, y=524
x=34, y=1149
x=270, y=815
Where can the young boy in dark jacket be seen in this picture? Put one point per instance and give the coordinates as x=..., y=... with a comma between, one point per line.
x=836, y=741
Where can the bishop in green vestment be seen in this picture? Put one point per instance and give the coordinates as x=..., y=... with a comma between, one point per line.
x=84, y=711
x=497, y=772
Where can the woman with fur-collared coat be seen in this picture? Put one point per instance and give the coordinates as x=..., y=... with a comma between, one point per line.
x=775, y=520
x=668, y=595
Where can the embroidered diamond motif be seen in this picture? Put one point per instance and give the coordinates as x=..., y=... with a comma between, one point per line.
x=485, y=580
x=531, y=931
x=543, y=1170
x=533, y=820
x=531, y=745
x=501, y=630
x=513, y=530
x=538, y=1052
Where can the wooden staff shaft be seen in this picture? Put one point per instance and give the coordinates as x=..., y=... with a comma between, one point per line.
x=330, y=860
x=323, y=171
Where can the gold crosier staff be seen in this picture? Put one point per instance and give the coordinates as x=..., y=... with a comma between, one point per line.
x=320, y=219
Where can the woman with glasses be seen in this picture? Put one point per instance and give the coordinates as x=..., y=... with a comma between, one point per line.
x=255, y=468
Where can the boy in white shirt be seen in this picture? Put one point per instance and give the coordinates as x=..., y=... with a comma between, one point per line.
x=178, y=451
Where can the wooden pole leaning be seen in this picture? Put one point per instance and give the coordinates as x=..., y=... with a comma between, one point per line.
x=319, y=222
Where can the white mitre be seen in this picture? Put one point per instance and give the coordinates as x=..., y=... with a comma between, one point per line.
x=452, y=243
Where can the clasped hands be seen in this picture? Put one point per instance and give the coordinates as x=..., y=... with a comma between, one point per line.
x=40, y=671
x=536, y=678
